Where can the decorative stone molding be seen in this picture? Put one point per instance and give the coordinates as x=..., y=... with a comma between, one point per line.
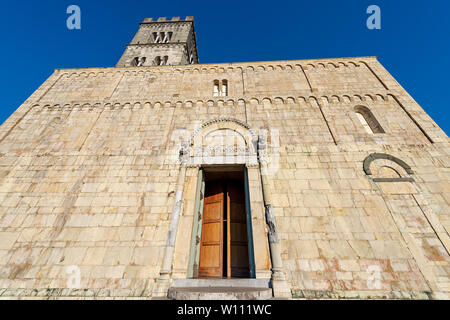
x=288, y=101
x=375, y=156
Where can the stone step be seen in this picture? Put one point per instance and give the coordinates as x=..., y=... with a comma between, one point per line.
x=219, y=293
x=223, y=283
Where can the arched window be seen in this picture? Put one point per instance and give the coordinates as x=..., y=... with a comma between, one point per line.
x=224, y=88
x=216, y=91
x=138, y=61
x=368, y=120
x=155, y=37
x=157, y=61
x=220, y=88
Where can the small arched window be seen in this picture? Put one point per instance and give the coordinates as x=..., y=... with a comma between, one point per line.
x=220, y=88
x=224, y=88
x=368, y=120
x=155, y=37
x=138, y=61
x=216, y=91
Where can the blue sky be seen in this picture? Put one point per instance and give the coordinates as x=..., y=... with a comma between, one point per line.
x=413, y=43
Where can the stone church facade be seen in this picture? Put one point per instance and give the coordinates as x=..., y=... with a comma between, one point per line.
x=165, y=177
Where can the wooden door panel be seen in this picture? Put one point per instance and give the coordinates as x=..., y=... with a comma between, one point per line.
x=210, y=257
x=210, y=232
x=211, y=247
x=213, y=209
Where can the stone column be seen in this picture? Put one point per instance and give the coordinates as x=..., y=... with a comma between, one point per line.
x=281, y=288
x=163, y=282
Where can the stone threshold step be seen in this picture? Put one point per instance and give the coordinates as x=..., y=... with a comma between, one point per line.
x=222, y=283
x=220, y=293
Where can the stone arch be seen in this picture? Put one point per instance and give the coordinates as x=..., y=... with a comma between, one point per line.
x=357, y=97
x=335, y=99
x=290, y=100
x=221, y=141
x=384, y=156
x=225, y=123
x=147, y=104
x=254, y=101
x=312, y=100
x=332, y=64
x=267, y=102
x=278, y=100
x=302, y=100
x=324, y=99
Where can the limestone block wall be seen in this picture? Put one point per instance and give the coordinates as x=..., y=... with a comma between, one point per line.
x=336, y=224
x=88, y=166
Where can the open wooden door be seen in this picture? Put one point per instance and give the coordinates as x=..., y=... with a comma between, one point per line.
x=224, y=240
x=211, y=248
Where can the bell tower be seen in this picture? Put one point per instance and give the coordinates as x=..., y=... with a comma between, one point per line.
x=162, y=42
